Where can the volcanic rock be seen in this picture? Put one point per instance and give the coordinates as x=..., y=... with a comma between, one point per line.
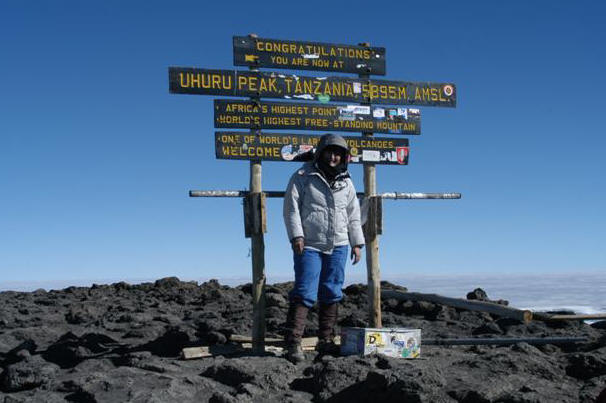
x=587, y=365
x=122, y=342
x=30, y=373
x=599, y=325
x=480, y=295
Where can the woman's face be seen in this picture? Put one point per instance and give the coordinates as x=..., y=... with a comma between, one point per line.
x=332, y=156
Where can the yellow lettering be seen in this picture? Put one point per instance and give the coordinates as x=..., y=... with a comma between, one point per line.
x=307, y=87
x=216, y=81
x=252, y=83
x=349, y=90
x=287, y=80
x=184, y=84
x=262, y=86
x=434, y=94
x=391, y=93
x=241, y=82
x=195, y=80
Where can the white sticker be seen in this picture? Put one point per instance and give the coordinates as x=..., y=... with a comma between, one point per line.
x=355, y=109
x=357, y=88
x=388, y=156
x=403, y=112
x=378, y=113
x=448, y=90
x=311, y=56
x=287, y=152
x=371, y=155
x=304, y=96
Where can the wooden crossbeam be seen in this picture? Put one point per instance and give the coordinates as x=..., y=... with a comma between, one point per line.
x=278, y=194
x=470, y=305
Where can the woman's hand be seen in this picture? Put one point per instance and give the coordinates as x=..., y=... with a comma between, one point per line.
x=355, y=254
x=297, y=245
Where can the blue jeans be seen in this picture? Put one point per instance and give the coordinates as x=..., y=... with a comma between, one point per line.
x=319, y=276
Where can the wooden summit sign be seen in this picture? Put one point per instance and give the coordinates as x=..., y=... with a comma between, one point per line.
x=324, y=117
x=287, y=147
x=299, y=55
x=189, y=80
x=363, y=109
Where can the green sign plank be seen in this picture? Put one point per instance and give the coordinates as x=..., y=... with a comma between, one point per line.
x=290, y=147
x=299, y=55
x=184, y=80
x=237, y=114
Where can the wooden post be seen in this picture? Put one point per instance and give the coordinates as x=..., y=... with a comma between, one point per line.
x=372, y=241
x=257, y=244
x=372, y=249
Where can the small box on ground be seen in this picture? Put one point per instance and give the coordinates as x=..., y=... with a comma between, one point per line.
x=391, y=342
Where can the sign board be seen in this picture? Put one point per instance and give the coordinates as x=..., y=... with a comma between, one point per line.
x=298, y=55
x=324, y=117
x=288, y=147
x=188, y=80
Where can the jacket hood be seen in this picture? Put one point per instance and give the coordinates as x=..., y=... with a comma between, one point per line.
x=330, y=173
x=331, y=140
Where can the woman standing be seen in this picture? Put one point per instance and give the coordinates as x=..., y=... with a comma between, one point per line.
x=322, y=217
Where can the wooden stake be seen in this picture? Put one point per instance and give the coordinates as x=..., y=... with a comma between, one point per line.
x=372, y=241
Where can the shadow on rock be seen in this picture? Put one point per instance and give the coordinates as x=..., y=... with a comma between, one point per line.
x=70, y=350
x=169, y=344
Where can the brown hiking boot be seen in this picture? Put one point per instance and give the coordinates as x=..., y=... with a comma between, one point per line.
x=327, y=320
x=294, y=353
x=328, y=347
x=295, y=325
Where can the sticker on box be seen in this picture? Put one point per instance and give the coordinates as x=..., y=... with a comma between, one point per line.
x=391, y=342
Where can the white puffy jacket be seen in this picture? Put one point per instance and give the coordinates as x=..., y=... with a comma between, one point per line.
x=325, y=217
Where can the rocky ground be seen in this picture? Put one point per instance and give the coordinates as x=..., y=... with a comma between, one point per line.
x=121, y=342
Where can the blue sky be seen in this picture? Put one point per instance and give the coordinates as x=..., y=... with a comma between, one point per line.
x=96, y=157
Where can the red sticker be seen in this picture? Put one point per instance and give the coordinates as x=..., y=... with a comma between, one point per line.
x=401, y=153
